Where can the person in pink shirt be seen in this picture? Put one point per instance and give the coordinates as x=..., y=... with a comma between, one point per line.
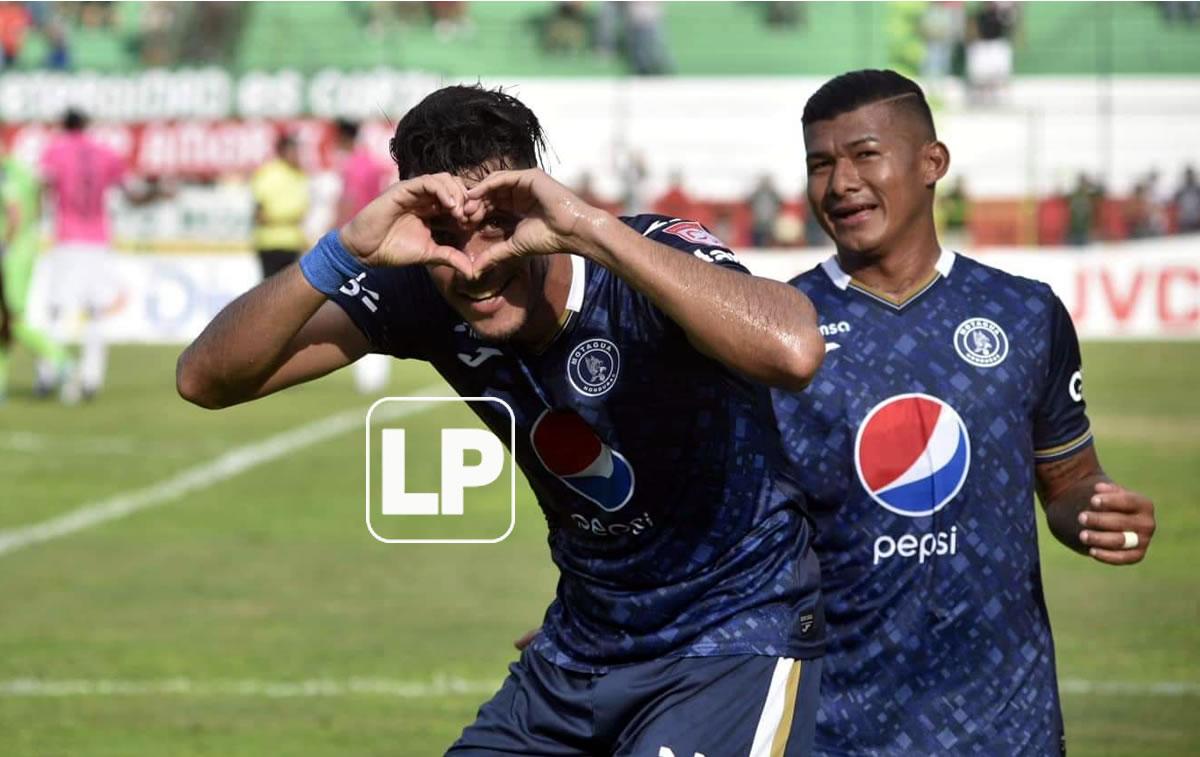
x=78, y=173
x=363, y=177
x=363, y=174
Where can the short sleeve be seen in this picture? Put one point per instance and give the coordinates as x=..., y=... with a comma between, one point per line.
x=397, y=309
x=1060, y=424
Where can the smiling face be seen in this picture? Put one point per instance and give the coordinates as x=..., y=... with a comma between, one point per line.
x=871, y=173
x=509, y=301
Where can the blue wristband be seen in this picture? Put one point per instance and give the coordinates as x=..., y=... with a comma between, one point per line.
x=328, y=266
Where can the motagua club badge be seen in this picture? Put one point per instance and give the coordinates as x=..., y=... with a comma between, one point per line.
x=981, y=342
x=593, y=367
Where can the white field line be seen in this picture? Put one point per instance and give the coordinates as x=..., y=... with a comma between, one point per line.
x=228, y=465
x=439, y=685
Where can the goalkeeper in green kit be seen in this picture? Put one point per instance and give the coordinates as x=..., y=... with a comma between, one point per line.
x=20, y=241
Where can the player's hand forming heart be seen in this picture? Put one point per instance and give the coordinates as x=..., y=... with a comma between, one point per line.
x=550, y=215
x=394, y=229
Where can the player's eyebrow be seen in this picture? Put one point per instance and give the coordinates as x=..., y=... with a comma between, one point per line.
x=863, y=140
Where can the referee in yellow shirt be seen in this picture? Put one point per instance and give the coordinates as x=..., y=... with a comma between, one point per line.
x=280, y=204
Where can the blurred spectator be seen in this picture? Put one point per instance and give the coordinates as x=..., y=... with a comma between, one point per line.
x=953, y=208
x=676, y=202
x=212, y=31
x=990, y=49
x=1139, y=213
x=765, y=204
x=1187, y=202
x=14, y=22
x=280, y=190
x=586, y=191
x=1176, y=12
x=645, y=40
x=450, y=19
x=565, y=30
x=784, y=15
x=607, y=29
x=789, y=230
x=362, y=175
x=153, y=41
x=633, y=184
x=1081, y=205
x=814, y=235
x=58, y=55
x=942, y=30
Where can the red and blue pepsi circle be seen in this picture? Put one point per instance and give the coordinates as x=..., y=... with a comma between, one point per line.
x=570, y=449
x=912, y=453
x=593, y=366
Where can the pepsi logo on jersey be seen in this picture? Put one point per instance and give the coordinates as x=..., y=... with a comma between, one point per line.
x=570, y=449
x=912, y=454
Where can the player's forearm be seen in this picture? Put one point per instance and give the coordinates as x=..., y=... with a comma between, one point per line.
x=247, y=342
x=1062, y=512
x=763, y=329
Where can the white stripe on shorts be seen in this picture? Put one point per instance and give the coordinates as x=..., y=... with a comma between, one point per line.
x=775, y=710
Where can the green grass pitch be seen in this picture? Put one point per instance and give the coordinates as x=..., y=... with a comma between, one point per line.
x=221, y=603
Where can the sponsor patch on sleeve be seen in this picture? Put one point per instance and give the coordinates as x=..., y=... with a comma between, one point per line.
x=693, y=233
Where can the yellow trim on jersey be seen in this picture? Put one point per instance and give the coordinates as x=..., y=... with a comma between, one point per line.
x=784, y=729
x=902, y=299
x=1078, y=441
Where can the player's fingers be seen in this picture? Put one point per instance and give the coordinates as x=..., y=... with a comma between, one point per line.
x=1122, y=501
x=456, y=259
x=1112, y=521
x=1104, y=487
x=1114, y=540
x=1118, y=556
x=492, y=256
x=492, y=181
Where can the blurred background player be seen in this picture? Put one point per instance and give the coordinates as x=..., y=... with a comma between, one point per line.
x=78, y=172
x=363, y=177
x=950, y=392
x=281, y=200
x=20, y=240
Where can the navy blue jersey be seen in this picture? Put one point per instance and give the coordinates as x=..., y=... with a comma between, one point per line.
x=659, y=471
x=916, y=445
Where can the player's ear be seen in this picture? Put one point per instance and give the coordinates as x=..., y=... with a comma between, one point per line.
x=935, y=162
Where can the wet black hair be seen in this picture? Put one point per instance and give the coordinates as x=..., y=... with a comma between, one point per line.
x=854, y=89
x=460, y=128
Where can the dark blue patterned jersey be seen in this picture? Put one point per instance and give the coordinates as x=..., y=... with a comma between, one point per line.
x=916, y=445
x=673, y=525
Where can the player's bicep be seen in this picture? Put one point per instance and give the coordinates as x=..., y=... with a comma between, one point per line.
x=330, y=340
x=1056, y=476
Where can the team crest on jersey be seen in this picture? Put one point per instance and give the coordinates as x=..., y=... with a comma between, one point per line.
x=981, y=342
x=593, y=367
x=912, y=454
x=570, y=449
x=694, y=233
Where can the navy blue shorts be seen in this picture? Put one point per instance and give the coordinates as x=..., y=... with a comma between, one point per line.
x=674, y=707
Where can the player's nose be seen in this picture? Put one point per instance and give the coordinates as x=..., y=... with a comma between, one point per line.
x=845, y=178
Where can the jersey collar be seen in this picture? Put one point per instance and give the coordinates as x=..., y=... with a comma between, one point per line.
x=844, y=281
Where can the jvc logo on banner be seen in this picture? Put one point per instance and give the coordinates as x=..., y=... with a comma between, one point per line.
x=436, y=474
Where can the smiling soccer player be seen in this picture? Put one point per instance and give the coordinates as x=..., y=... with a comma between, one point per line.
x=950, y=392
